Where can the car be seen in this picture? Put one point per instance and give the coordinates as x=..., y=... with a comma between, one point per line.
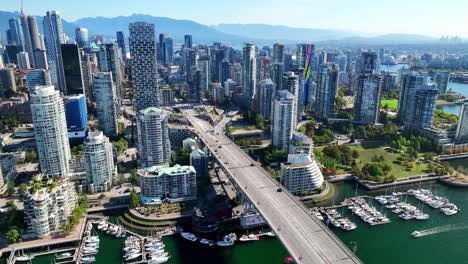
x=227, y=162
x=279, y=190
x=251, y=164
x=220, y=146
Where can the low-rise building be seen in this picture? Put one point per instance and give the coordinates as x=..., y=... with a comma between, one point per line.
x=8, y=166
x=49, y=208
x=301, y=174
x=177, y=183
x=301, y=144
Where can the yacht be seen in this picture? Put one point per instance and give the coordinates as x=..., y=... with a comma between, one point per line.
x=65, y=255
x=189, y=236
x=158, y=260
x=132, y=256
x=422, y=216
x=225, y=243
x=416, y=234
x=272, y=234
x=318, y=215
x=88, y=259
x=91, y=239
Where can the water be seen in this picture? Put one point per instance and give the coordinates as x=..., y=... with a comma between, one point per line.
x=266, y=250
x=393, y=243
x=385, y=244
x=457, y=87
x=393, y=68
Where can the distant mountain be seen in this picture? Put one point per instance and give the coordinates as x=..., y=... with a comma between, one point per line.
x=388, y=39
x=234, y=34
x=173, y=27
x=283, y=33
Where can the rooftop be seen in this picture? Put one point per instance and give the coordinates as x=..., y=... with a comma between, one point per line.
x=164, y=169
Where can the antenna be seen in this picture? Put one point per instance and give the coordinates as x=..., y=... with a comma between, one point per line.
x=22, y=13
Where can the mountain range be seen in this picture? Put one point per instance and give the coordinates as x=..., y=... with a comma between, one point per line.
x=234, y=34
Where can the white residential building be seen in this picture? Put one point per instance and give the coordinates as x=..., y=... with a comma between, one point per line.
x=99, y=162
x=48, y=209
x=154, y=147
x=50, y=130
x=283, y=119
x=301, y=174
x=462, y=129
x=177, y=183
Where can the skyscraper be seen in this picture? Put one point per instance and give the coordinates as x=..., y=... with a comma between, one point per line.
x=283, y=119
x=194, y=92
x=291, y=83
x=249, y=73
x=278, y=53
x=99, y=162
x=143, y=54
x=278, y=72
x=106, y=103
x=265, y=97
x=367, y=102
x=304, y=57
x=410, y=82
x=154, y=147
x=72, y=69
x=37, y=77
x=82, y=37
x=442, y=79
x=188, y=42
x=87, y=67
x=50, y=129
x=168, y=50
x=7, y=81
x=40, y=59
x=54, y=37
x=422, y=108
x=462, y=130
x=121, y=44
x=368, y=62
x=199, y=160
x=31, y=37
x=16, y=33
x=109, y=62
x=23, y=60
x=327, y=86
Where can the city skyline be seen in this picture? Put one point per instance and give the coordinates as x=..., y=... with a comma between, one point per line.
x=363, y=17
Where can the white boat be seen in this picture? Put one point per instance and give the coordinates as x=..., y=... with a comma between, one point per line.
x=155, y=251
x=91, y=239
x=65, y=255
x=160, y=254
x=422, y=216
x=189, y=236
x=158, y=260
x=318, y=215
x=207, y=242
x=248, y=238
x=132, y=256
x=272, y=234
x=416, y=234
x=225, y=243
x=88, y=259
x=24, y=258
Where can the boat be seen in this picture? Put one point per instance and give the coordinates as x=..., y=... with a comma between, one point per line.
x=225, y=243
x=422, y=216
x=24, y=258
x=88, y=259
x=91, y=239
x=189, y=236
x=248, y=238
x=132, y=256
x=65, y=255
x=272, y=234
x=416, y=234
x=207, y=242
x=155, y=251
x=158, y=260
x=318, y=215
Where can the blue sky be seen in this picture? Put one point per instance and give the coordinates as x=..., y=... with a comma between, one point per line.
x=428, y=17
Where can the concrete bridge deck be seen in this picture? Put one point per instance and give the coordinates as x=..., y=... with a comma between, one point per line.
x=306, y=238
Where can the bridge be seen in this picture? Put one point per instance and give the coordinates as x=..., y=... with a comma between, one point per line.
x=306, y=238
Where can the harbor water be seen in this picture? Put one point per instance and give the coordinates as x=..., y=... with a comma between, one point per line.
x=384, y=244
x=461, y=88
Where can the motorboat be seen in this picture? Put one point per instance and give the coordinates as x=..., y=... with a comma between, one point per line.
x=132, y=256
x=248, y=238
x=189, y=236
x=158, y=260
x=91, y=239
x=416, y=234
x=225, y=243
x=318, y=215
x=65, y=255
x=422, y=216
x=24, y=258
x=272, y=234
x=207, y=242
x=88, y=259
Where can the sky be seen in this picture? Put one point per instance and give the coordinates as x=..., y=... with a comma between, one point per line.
x=425, y=17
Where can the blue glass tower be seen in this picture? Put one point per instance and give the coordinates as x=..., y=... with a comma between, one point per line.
x=77, y=116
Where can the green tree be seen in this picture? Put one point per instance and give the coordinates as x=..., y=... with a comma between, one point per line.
x=10, y=188
x=134, y=199
x=12, y=236
x=23, y=189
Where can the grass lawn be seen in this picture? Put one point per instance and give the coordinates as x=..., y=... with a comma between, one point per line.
x=238, y=128
x=366, y=153
x=392, y=104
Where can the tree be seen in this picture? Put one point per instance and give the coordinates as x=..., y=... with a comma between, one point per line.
x=260, y=122
x=31, y=156
x=23, y=189
x=12, y=236
x=10, y=188
x=134, y=199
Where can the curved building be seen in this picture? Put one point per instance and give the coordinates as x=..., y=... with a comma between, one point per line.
x=301, y=174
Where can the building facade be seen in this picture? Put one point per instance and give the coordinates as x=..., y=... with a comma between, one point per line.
x=106, y=103
x=76, y=115
x=301, y=174
x=283, y=119
x=53, y=38
x=50, y=131
x=154, y=147
x=199, y=161
x=327, y=86
x=367, y=102
x=99, y=162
